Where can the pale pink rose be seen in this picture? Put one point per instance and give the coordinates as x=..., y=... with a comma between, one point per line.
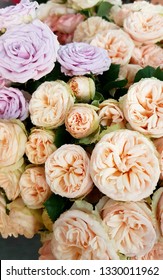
x=34, y=189
x=159, y=146
x=50, y=103
x=82, y=4
x=110, y=113
x=117, y=43
x=78, y=234
x=151, y=55
x=144, y=27
x=156, y=253
x=157, y=210
x=88, y=29
x=67, y=171
x=128, y=72
x=142, y=106
x=83, y=88
x=124, y=165
x=40, y=145
x=82, y=120
x=130, y=225
x=12, y=141
x=23, y=220
x=9, y=179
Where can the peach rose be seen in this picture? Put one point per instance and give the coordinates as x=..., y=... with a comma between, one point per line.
x=82, y=120
x=67, y=171
x=159, y=146
x=12, y=141
x=40, y=145
x=78, y=234
x=50, y=103
x=142, y=106
x=144, y=27
x=118, y=44
x=23, y=220
x=124, y=165
x=157, y=210
x=9, y=179
x=128, y=72
x=156, y=253
x=148, y=55
x=34, y=189
x=45, y=251
x=110, y=113
x=88, y=29
x=129, y=224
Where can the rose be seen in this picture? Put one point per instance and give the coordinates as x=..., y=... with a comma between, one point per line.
x=82, y=120
x=27, y=51
x=45, y=251
x=82, y=4
x=157, y=210
x=5, y=227
x=34, y=189
x=129, y=225
x=12, y=141
x=124, y=165
x=117, y=43
x=129, y=71
x=156, y=253
x=88, y=29
x=142, y=106
x=9, y=179
x=78, y=234
x=144, y=27
x=67, y=171
x=159, y=146
x=50, y=103
x=110, y=113
x=83, y=88
x=13, y=104
x=24, y=12
x=40, y=145
x=81, y=58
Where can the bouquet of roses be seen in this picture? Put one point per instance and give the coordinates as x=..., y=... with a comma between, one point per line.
x=81, y=128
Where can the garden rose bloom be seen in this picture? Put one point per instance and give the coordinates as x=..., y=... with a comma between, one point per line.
x=157, y=209
x=159, y=146
x=24, y=12
x=110, y=112
x=13, y=104
x=9, y=179
x=83, y=88
x=129, y=225
x=50, y=103
x=12, y=141
x=45, y=251
x=156, y=253
x=117, y=43
x=144, y=27
x=148, y=55
x=33, y=187
x=124, y=165
x=88, y=29
x=78, y=234
x=128, y=71
x=27, y=51
x=67, y=171
x=23, y=220
x=82, y=120
x=82, y=4
x=80, y=58
x=40, y=145
x=142, y=106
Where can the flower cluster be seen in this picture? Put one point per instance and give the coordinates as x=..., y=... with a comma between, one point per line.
x=81, y=128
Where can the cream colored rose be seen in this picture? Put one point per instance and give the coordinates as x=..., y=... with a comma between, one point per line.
x=128, y=72
x=40, y=145
x=9, y=179
x=50, y=103
x=67, y=171
x=88, y=29
x=159, y=146
x=142, y=106
x=129, y=224
x=110, y=113
x=23, y=220
x=151, y=55
x=118, y=44
x=144, y=27
x=34, y=189
x=83, y=88
x=124, y=165
x=78, y=234
x=82, y=120
x=157, y=210
x=12, y=141
x=82, y=4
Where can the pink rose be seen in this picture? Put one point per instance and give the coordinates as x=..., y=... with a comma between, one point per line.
x=159, y=146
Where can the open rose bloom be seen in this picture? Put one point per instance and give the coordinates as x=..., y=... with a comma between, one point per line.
x=81, y=127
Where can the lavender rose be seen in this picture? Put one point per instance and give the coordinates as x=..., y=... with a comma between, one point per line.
x=13, y=104
x=27, y=51
x=82, y=58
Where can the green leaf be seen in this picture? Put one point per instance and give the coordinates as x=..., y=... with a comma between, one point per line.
x=158, y=74
x=56, y=205
x=62, y=136
x=104, y=9
x=115, y=84
x=89, y=139
x=110, y=75
x=146, y=72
